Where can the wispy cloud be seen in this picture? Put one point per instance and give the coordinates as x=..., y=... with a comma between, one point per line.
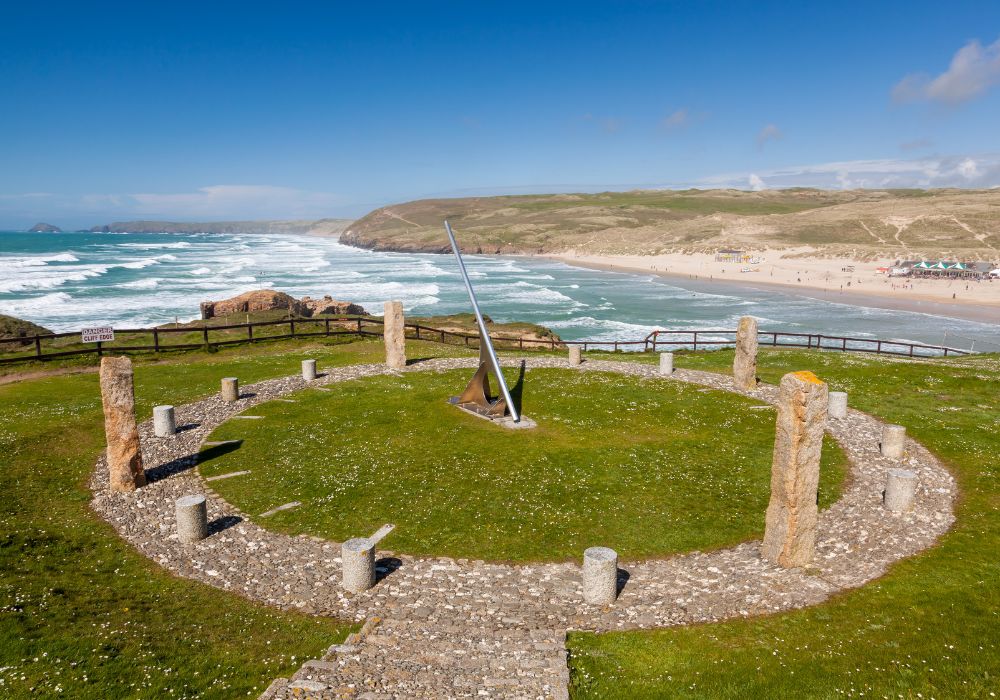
x=676, y=120
x=974, y=69
x=756, y=184
x=769, y=133
x=916, y=145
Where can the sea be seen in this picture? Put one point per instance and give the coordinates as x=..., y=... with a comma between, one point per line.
x=68, y=281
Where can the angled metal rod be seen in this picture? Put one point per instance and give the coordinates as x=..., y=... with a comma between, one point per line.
x=483, y=333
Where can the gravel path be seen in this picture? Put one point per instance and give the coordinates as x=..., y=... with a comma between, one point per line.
x=439, y=627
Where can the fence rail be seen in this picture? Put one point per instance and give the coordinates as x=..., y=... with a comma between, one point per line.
x=196, y=337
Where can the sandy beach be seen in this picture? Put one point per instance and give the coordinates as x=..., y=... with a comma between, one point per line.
x=839, y=280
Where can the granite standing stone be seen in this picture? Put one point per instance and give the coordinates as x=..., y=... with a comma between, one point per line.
x=666, y=363
x=575, y=356
x=900, y=490
x=230, y=389
x=600, y=575
x=893, y=441
x=192, y=518
x=790, y=527
x=124, y=450
x=394, y=333
x=309, y=370
x=745, y=362
x=164, y=424
x=358, y=561
x=838, y=405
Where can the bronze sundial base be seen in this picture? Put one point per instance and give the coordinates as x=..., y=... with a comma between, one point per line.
x=476, y=398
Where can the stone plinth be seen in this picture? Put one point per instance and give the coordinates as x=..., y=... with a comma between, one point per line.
x=309, y=370
x=600, y=575
x=192, y=518
x=164, y=424
x=230, y=389
x=124, y=450
x=666, y=363
x=790, y=528
x=575, y=356
x=394, y=333
x=745, y=362
x=358, y=562
x=893, y=441
x=838, y=405
x=900, y=490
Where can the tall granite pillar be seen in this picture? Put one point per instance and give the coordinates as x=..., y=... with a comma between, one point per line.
x=745, y=362
x=394, y=333
x=124, y=450
x=790, y=529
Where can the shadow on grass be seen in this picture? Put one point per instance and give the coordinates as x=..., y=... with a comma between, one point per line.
x=517, y=391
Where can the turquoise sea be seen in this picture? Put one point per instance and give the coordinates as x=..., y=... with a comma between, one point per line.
x=70, y=280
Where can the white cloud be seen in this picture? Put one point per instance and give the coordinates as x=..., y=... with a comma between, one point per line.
x=676, y=120
x=756, y=184
x=968, y=169
x=974, y=69
x=768, y=133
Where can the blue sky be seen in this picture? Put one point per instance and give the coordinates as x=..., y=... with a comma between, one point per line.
x=229, y=110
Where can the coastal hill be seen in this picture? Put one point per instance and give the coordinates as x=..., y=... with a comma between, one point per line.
x=42, y=227
x=325, y=227
x=863, y=224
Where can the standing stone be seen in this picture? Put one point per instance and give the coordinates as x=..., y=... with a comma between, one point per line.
x=790, y=529
x=666, y=363
x=230, y=389
x=394, y=333
x=900, y=490
x=309, y=370
x=838, y=405
x=745, y=362
x=893, y=441
x=163, y=421
x=192, y=518
x=124, y=450
x=358, y=564
x=575, y=357
x=600, y=575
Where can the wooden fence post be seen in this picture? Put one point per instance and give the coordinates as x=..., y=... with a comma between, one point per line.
x=38, y=346
x=156, y=340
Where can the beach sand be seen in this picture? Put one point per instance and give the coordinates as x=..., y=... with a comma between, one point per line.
x=818, y=278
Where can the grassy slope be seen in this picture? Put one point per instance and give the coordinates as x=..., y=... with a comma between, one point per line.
x=80, y=611
x=632, y=464
x=928, y=629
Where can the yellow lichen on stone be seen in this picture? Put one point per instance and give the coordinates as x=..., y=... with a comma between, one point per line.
x=807, y=376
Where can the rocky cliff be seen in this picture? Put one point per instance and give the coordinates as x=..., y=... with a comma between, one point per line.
x=273, y=300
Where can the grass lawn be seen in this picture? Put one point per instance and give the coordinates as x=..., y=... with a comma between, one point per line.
x=648, y=467
x=929, y=629
x=84, y=615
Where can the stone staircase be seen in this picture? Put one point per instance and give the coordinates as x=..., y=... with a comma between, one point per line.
x=421, y=659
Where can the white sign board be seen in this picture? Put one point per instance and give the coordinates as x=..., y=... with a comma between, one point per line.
x=104, y=334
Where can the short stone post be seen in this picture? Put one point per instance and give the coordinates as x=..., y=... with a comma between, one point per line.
x=838, y=405
x=790, y=527
x=745, y=362
x=309, y=370
x=600, y=575
x=394, y=333
x=124, y=451
x=163, y=421
x=900, y=490
x=358, y=564
x=192, y=518
x=666, y=363
x=893, y=441
x=230, y=389
x=575, y=357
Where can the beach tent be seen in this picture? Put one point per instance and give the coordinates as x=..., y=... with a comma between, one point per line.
x=958, y=266
x=922, y=266
x=940, y=266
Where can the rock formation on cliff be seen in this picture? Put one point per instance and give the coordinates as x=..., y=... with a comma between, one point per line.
x=272, y=300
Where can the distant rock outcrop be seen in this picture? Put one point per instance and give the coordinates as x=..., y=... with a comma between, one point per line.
x=42, y=227
x=272, y=300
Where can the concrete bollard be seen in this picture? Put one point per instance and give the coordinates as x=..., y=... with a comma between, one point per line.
x=163, y=421
x=838, y=405
x=893, y=441
x=309, y=370
x=600, y=575
x=230, y=389
x=358, y=564
x=192, y=518
x=666, y=363
x=900, y=490
x=575, y=356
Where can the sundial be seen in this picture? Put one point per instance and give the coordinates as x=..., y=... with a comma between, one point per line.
x=476, y=398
